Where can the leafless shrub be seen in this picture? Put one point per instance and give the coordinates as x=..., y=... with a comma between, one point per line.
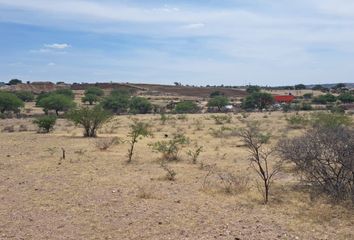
x=259, y=156
x=325, y=158
x=23, y=128
x=104, y=144
x=232, y=184
x=9, y=129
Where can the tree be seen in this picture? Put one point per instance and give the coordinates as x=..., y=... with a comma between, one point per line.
x=94, y=91
x=346, y=98
x=117, y=102
x=140, y=105
x=339, y=86
x=91, y=119
x=10, y=102
x=90, y=98
x=66, y=92
x=260, y=156
x=216, y=93
x=45, y=123
x=219, y=102
x=137, y=130
x=317, y=87
x=25, y=96
x=300, y=87
x=15, y=81
x=251, y=89
x=186, y=107
x=56, y=102
x=259, y=100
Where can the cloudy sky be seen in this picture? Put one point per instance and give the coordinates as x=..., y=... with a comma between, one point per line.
x=230, y=42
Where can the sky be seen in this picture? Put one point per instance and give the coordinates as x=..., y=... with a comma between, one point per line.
x=195, y=42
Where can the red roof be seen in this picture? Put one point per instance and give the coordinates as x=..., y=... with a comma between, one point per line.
x=284, y=98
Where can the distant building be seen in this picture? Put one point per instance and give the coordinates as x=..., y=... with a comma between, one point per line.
x=284, y=98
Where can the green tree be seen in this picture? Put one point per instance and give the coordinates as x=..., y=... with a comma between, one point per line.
x=251, y=89
x=257, y=100
x=140, y=105
x=45, y=123
x=66, y=92
x=137, y=130
x=94, y=91
x=219, y=102
x=116, y=103
x=300, y=87
x=216, y=93
x=186, y=107
x=15, y=82
x=10, y=102
x=346, y=98
x=90, y=98
x=91, y=119
x=56, y=102
x=25, y=96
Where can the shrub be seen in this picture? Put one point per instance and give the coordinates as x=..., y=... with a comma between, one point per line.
x=251, y=89
x=45, y=123
x=222, y=119
x=137, y=130
x=346, y=98
x=15, y=82
x=171, y=148
x=297, y=121
x=9, y=102
x=232, y=184
x=325, y=158
x=56, y=102
x=105, y=143
x=194, y=154
x=323, y=99
x=219, y=102
x=89, y=118
x=257, y=100
x=25, y=96
x=216, y=93
x=186, y=107
x=140, y=105
x=330, y=120
x=306, y=107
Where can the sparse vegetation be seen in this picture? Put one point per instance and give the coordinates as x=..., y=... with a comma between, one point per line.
x=170, y=148
x=186, y=107
x=137, y=130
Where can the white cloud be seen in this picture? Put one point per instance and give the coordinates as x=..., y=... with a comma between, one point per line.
x=57, y=46
x=51, y=64
x=194, y=26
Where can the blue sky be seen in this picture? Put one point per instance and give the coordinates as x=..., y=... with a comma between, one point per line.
x=230, y=42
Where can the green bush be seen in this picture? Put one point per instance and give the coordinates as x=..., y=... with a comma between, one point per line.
x=9, y=102
x=346, y=98
x=186, y=107
x=25, y=96
x=323, y=99
x=140, y=105
x=297, y=121
x=171, y=148
x=117, y=102
x=219, y=102
x=91, y=119
x=330, y=120
x=56, y=102
x=45, y=123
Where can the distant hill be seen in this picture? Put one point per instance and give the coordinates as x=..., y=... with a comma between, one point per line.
x=330, y=85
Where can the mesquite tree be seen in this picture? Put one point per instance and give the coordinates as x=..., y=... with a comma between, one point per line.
x=137, y=130
x=260, y=156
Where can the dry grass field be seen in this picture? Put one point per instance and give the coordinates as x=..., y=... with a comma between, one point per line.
x=95, y=194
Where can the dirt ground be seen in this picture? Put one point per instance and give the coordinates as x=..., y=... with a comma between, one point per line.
x=94, y=194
